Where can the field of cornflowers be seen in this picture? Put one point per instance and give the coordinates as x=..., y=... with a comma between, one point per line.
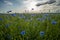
x=30, y=26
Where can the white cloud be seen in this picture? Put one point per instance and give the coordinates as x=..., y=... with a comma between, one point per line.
x=29, y=4
x=8, y=3
x=58, y=2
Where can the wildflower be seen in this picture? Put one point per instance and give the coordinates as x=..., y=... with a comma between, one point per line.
x=45, y=14
x=23, y=33
x=53, y=22
x=39, y=19
x=42, y=33
x=13, y=14
x=32, y=14
x=0, y=18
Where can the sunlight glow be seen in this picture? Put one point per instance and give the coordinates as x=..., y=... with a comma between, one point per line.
x=31, y=5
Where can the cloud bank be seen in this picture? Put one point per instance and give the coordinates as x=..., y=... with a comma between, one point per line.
x=37, y=5
x=8, y=3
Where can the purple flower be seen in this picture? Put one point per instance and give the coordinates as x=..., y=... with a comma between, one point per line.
x=53, y=22
x=42, y=33
x=22, y=32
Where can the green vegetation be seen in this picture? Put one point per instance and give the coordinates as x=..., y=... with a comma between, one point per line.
x=30, y=26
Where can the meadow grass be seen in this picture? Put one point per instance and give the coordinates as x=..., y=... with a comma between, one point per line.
x=30, y=26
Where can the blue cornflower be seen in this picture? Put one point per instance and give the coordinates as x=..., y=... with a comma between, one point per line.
x=39, y=19
x=46, y=14
x=13, y=14
x=53, y=22
x=22, y=32
x=42, y=33
x=0, y=18
x=32, y=14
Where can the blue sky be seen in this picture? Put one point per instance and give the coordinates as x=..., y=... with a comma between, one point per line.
x=10, y=5
x=21, y=5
